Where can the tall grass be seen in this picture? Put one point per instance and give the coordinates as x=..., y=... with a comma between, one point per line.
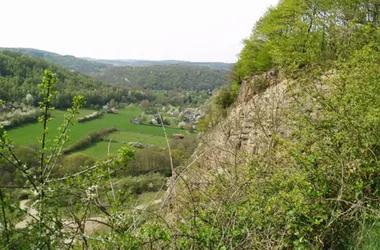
x=371, y=237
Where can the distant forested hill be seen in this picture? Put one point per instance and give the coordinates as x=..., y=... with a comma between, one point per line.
x=165, y=77
x=89, y=65
x=20, y=75
x=69, y=62
x=154, y=75
x=138, y=63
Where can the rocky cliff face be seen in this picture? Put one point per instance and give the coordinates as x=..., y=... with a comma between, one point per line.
x=245, y=134
x=250, y=124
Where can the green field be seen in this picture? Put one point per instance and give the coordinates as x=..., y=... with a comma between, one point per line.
x=127, y=131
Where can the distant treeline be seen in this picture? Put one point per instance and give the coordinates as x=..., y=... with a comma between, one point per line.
x=166, y=77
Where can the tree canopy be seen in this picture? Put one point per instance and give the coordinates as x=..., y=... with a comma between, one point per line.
x=298, y=33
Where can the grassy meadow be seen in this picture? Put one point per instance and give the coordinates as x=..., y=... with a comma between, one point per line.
x=127, y=131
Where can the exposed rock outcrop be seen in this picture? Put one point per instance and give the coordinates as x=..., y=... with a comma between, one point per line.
x=246, y=133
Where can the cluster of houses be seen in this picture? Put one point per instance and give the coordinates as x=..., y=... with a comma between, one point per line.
x=109, y=110
x=190, y=117
x=186, y=117
x=156, y=119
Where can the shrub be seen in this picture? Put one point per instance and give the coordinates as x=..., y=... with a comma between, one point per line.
x=18, y=118
x=255, y=57
x=225, y=97
x=183, y=149
x=90, y=117
x=89, y=139
x=141, y=184
x=151, y=160
x=217, y=109
x=260, y=84
x=72, y=163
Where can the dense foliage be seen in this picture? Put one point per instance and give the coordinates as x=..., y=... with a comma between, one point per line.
x=165, y=77
x=298, y=33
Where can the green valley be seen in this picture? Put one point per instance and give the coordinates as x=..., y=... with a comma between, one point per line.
x=282, y=151
x=126, y=131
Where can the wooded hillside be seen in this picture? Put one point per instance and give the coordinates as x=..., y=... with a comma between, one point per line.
x=20, y=75
x=67, y=61
x=165, y=77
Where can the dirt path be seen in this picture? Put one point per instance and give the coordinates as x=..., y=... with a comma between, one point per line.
x=31, y=212
x=91, y=224
x=141, y=207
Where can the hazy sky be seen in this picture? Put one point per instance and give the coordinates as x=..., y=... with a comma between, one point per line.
x=194, y=30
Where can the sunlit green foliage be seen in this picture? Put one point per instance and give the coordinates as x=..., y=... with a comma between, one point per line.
x=298, y=33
